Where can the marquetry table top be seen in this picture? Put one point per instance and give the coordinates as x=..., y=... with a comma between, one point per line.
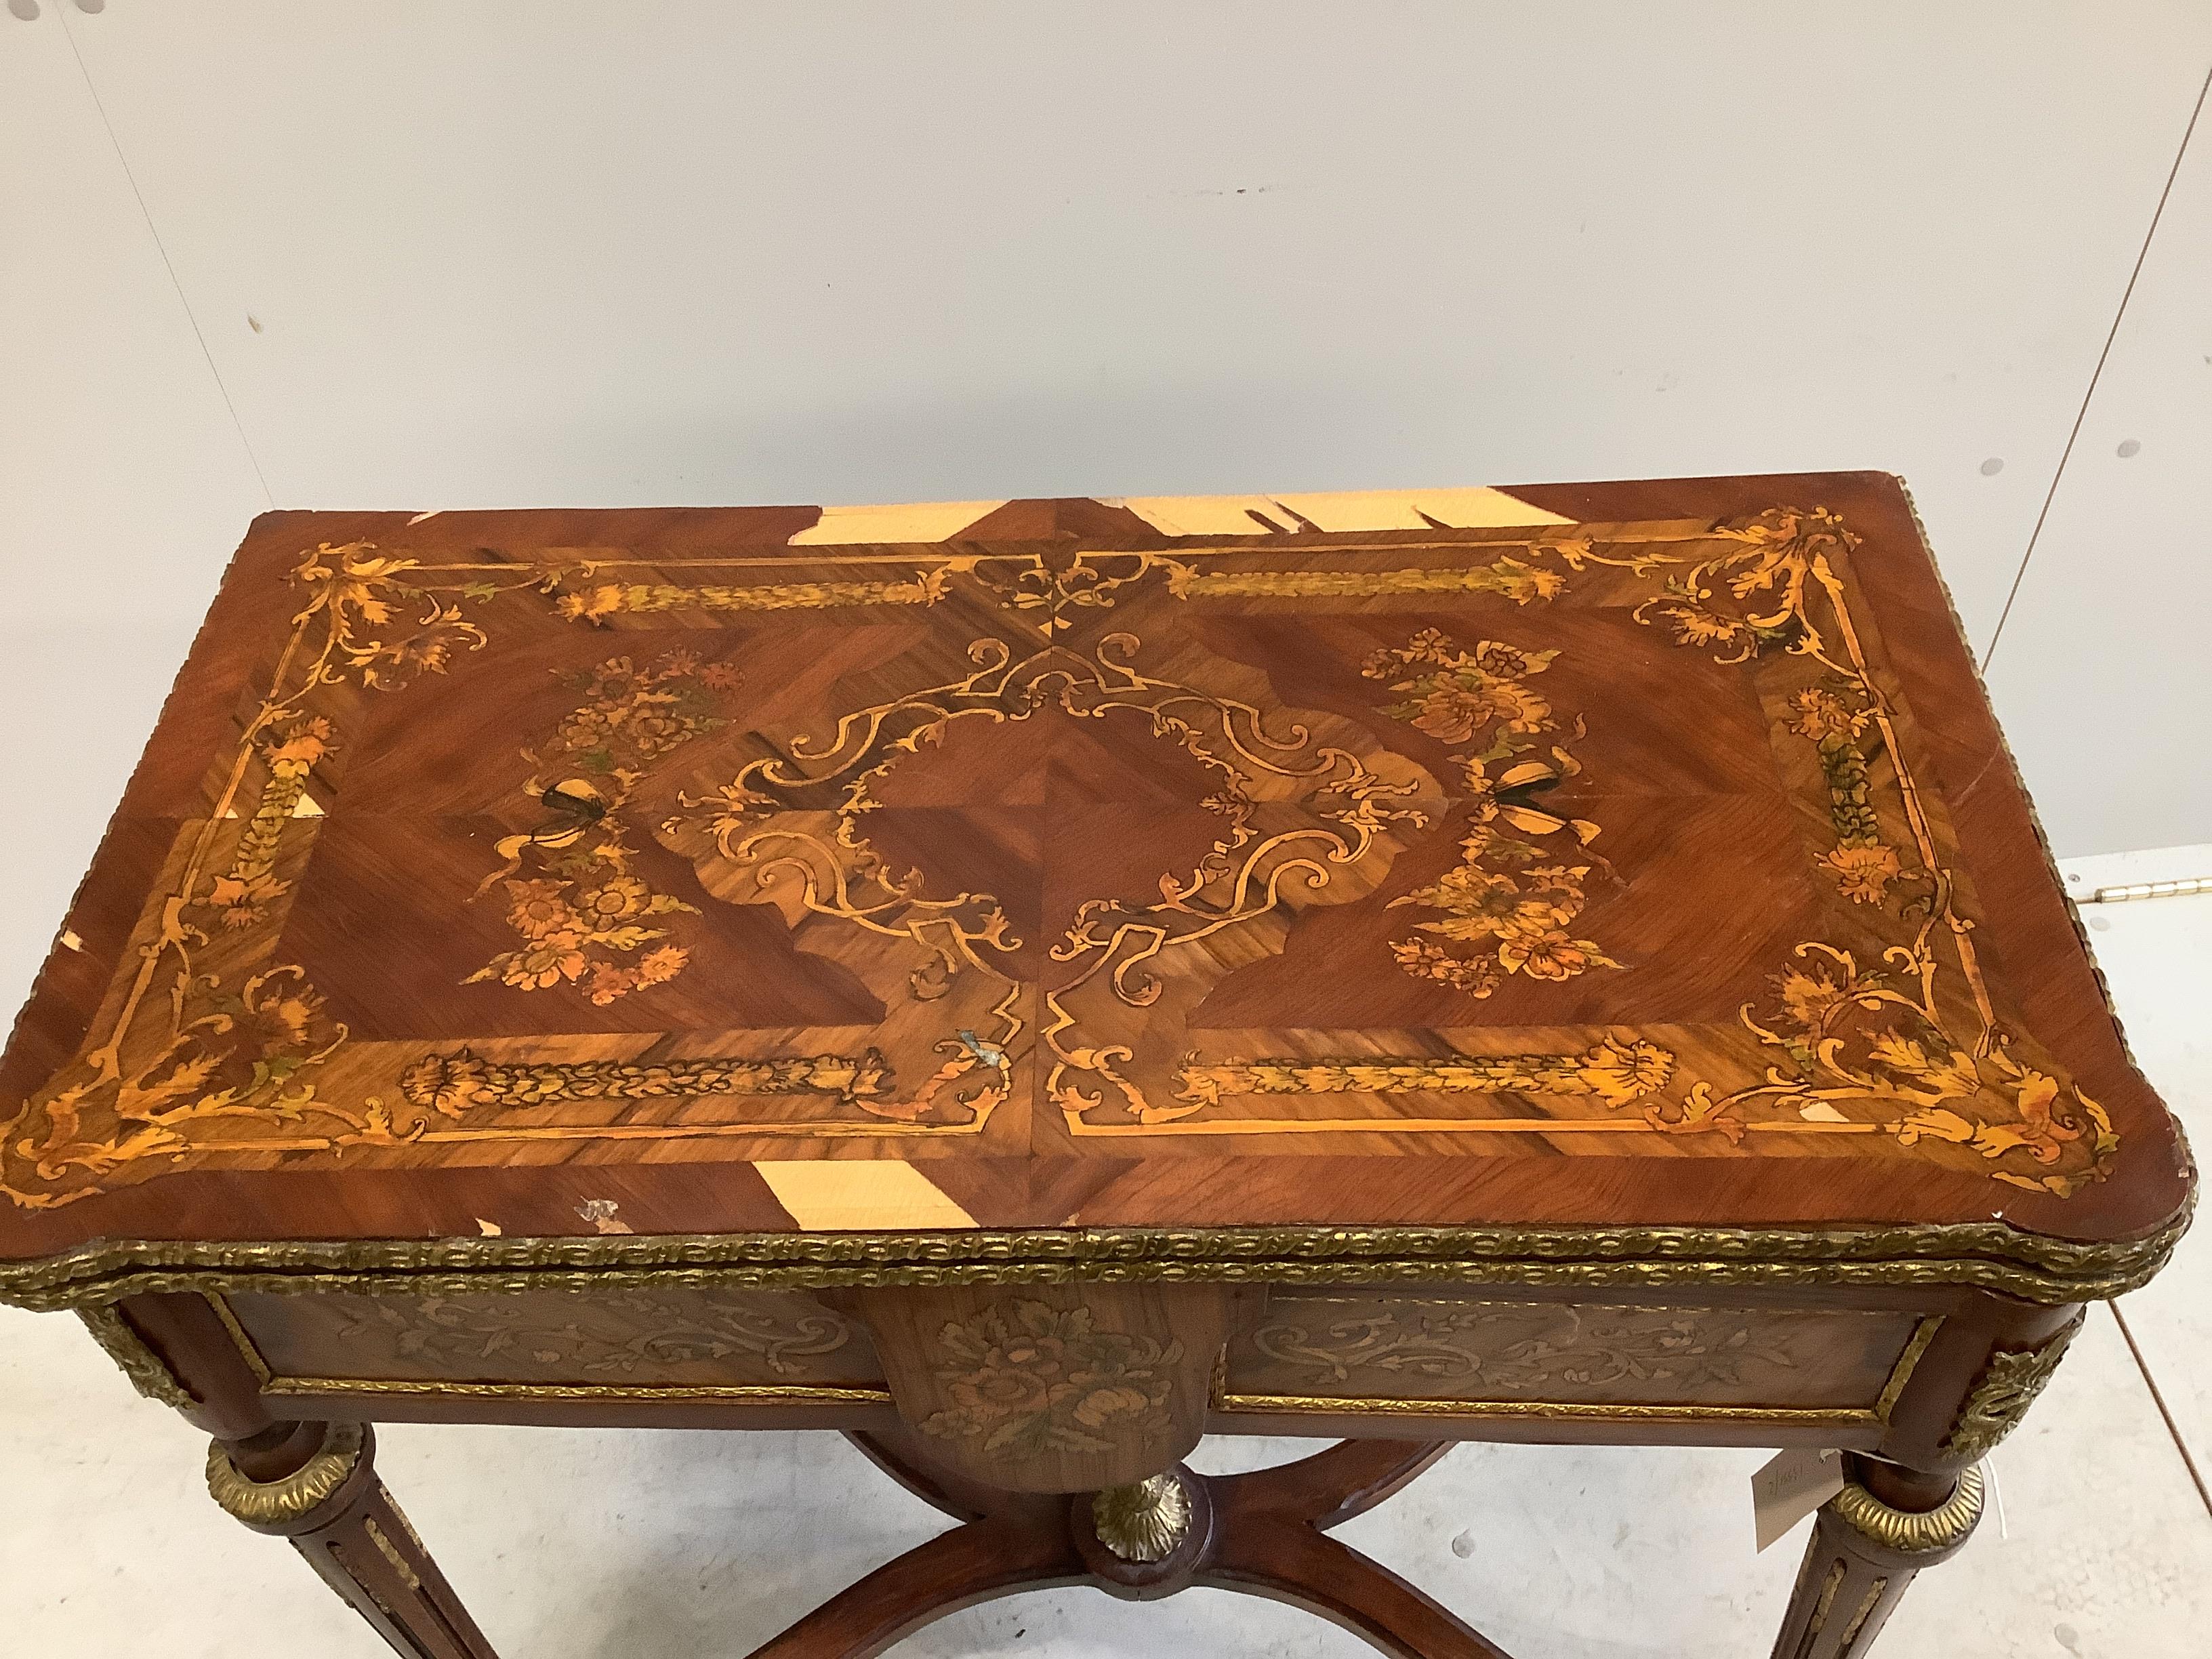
x=1636, y=855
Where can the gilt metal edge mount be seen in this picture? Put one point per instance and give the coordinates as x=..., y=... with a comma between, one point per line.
x=284, y=1502
x=1986, y=1255
x=1913, y=1531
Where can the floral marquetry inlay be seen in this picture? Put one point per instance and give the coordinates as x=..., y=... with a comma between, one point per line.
x=1024, y=1377
x=1510, y=903
x=1460, y=1348
x=572, y=894
x=618, y=1336
x=1084, y=844
x=652, y=1331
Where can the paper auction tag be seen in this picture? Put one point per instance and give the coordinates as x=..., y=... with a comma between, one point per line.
x=1789, y=1487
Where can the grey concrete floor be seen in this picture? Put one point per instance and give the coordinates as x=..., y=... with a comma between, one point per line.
x=582, y=1545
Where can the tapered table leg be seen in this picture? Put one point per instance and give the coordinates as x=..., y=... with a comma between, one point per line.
x=316, y=1485
x=1866, y=1549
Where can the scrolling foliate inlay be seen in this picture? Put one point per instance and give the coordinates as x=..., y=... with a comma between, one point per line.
x=583, y=909
x=1023, y=1378
x=1029, y=585
x=1096, y=578
x=1619, y=1073
x=788, y=830
x=1915, y=1038
x=208, y=1035
x=631, y=1333
x=1878, y=1029
x=604, y=599
x=791, y=831
x=215, y=1047
x=1310, y=821
x=1519, y=1347
x=1507, y=909
x=1903, y=1042
x=455, y=1084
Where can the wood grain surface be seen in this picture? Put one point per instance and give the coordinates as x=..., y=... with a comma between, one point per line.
x=1654, y=862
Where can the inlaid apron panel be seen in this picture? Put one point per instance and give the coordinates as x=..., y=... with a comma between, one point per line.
x=747, y=1343
x=1336, y=1351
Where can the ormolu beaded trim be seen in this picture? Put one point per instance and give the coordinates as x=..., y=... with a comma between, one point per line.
x=1987, y=1255
x=1584, y=1411
x=1940, y=1527
x=272, y=1502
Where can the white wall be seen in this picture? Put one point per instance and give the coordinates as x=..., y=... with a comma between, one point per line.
x=688, y=252
x=2102, y=672
x=123, y=481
